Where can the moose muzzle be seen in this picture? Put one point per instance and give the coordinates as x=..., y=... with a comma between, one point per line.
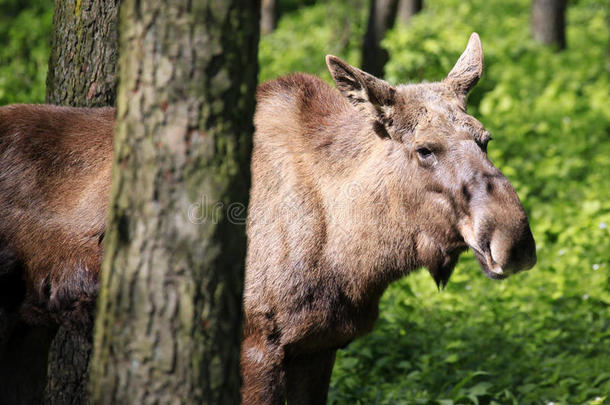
x=499, y=233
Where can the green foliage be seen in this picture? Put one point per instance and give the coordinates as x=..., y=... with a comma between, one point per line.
x=25, y=35
x=303, y=39
x=540, y=337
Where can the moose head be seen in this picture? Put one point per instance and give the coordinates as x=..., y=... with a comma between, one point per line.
x=453, y=194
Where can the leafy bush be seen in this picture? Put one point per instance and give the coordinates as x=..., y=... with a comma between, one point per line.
x=25, y=32
x=306, y=36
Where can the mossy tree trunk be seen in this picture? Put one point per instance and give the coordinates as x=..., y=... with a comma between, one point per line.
x=82, y=72
x=382, y=15
x=83, y=62
x=168, y=328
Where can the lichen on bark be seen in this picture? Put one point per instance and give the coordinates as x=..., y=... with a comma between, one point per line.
x=82, y=65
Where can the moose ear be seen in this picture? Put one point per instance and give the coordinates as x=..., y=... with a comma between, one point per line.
x=366, y=92
x=469, y=67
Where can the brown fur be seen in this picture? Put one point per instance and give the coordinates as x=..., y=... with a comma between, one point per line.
x=55, y=165
x=351, y=190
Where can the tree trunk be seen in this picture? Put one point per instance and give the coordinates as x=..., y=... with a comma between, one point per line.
x=268, y=16
x=82, y=66
x=548, y=22
x=382, y=15
x=168, y=328
x=68, y=370
x=408, y=8
x=82, y=73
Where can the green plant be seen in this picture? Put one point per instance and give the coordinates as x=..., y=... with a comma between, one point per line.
x=304, y=37
x=25, y=32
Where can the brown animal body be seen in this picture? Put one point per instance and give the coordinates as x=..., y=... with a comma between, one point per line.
x=351, y=190
x=55, y=166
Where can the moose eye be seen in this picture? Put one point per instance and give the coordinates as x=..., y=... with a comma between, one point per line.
x=424, y=152
x=426, y=156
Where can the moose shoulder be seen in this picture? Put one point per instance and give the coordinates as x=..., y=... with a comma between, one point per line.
x=352, y=189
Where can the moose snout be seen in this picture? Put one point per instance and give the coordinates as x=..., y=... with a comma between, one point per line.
x=503, y=249
x=500, y=237
x=513, y=249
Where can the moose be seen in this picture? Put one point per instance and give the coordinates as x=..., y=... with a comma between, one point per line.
x=351, y=190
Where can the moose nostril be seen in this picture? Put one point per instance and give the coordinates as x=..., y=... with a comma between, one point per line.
x=514, y=251
x=527, y=250
x=466, y=193
x=490, y=187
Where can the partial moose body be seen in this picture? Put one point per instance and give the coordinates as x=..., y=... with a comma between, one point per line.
x=55, y=165
x=352, y=189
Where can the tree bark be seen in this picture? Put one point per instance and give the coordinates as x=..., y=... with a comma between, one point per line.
x=382, y=15
x=68, y=369
x=407, y=9
x=548, y=22
x=168, y=328
x=41, y=364
x=82, y=66
x=268, y=16
x=82, y=73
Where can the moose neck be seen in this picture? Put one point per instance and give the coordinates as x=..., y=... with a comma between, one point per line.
x=371, y=232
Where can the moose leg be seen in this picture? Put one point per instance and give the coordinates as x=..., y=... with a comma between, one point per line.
x=263, y=377
x=308, y=377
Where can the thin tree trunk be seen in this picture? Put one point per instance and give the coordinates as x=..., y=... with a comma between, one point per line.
x=169, y=323
x=548, y=22
x=382, y=15
x=82, y=66
x=268, y=16
x=68, y=370
x=82, y=73
x=407, y=9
